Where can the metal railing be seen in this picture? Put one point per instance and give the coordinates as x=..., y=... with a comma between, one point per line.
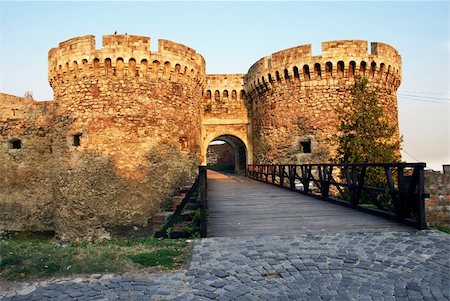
x=394, y=190
x=197, y=191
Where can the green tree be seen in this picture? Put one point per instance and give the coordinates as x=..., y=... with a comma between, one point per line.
x=365, y=135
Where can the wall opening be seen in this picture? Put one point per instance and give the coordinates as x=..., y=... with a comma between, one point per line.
x=305, y=146
x=227, y=153
x=306, y=73
x=317, y=71
x=329, y=69
x=77, y=139
x=96, y=66
x=233, y=95
x=15, y=143
x=340, y=68
x=132, y=71
x=362, y=68
x=296, y=74
x=352, y=68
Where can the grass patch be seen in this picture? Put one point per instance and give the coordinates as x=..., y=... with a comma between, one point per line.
x=163, y=257
x=44, y=258
x=368, y=206
x=441, y=228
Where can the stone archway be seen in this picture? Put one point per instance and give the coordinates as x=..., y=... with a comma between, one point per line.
x=219, y=154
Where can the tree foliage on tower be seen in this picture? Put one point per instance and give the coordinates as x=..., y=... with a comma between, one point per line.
x=365, y=134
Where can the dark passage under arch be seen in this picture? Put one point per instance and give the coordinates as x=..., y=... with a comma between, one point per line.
x=228, y=154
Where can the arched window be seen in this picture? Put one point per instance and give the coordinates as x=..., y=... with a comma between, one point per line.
x=132, y=68
x=269, y=76
x=306, y=73
x=119, y=67
x=352, y=69
x=108, y=66
x=373, y=68
x=340, y=68
x=208, y=94
x=296, y=74
x=388, y=72
x=242, y=96
x=96, y=66
x=286, y=74
x=166, y=68
x=15, y=143
x=329, y=69
x=84, y=62
x=155, y=66
x=277, y=75
x=381, y=70
x=75, y=69
x=225, y=94
x=217, y=95
x=177, y=69
x=317, y=71
x=233, y=94
x=67, y=69
x=143, y=67
x=362, y=68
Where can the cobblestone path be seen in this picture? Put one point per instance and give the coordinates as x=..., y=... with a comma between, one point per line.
x=411, y=265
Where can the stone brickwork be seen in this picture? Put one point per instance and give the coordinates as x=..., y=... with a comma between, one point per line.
x=26, y=198
x=128, y=125
x=437, y=207
x=294, y=96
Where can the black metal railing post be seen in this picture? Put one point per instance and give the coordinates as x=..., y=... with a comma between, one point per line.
x=202, y=174
x=400, y=197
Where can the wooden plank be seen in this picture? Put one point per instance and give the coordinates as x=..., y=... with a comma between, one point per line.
x=239, y=206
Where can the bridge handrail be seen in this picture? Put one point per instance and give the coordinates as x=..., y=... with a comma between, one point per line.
x=198, y=188
x=396, y=189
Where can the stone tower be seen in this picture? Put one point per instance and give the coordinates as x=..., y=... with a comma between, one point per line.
x=126, y=129
x=294, y=96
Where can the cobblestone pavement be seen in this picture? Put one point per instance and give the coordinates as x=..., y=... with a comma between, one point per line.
x=360, y=266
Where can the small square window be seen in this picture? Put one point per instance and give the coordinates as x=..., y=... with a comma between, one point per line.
x=77, y=139
x=16, y=143
x=306, y=146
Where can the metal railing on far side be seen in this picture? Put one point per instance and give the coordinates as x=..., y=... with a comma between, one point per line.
x=394, y=190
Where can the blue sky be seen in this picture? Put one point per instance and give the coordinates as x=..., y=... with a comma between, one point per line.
x=231, y=36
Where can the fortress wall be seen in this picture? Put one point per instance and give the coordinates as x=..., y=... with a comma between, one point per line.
x=225, y=111
x=25, y=174
x=294, y=96
x=138, y=130
x=224, y=97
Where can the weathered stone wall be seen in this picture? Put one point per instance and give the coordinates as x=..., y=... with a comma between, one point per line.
x=225, y=111
x=138, y=128
x=221, y=154
x=437, y=207
x=294, y=96
x=26, y=196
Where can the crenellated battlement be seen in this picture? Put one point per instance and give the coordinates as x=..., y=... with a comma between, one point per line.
x=340, y=60
x=222, y=87
x=123, y=56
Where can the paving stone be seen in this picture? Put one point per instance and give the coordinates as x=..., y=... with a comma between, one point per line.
x=373, y=266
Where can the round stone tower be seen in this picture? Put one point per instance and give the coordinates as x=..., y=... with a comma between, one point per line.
x=126, y=130
x=294, y=97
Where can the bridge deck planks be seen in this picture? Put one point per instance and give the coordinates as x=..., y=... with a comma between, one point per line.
x=239, y=206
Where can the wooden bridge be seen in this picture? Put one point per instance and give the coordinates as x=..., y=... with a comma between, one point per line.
x=239, y=206
x=359, y=197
